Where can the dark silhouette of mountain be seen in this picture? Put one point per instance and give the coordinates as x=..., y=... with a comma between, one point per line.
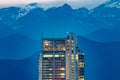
x=63, y=16
x=25, y=69
x=53, y=19
x=109, y=9
x=81, y=20
x=8, y=15
x=105, y=35
x=101, y=59
x=17, y=47
x=108, y=13
x=5, y=30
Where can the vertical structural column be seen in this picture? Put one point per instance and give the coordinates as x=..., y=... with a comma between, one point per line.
x=71, y=61
x=75, y=60
x=53, y=46
x=40, y=67
x=70, y=56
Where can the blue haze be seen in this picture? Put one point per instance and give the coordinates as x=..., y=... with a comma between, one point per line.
x=20, y=39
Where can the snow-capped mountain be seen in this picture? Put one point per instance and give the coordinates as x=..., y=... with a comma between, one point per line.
x=20, y=34
x=16, y=12
x=113, y=4
x=10, y=15
x=108, y=9
x=106, y=15
x=25, y=9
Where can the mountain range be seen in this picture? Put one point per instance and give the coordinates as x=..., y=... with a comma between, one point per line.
x=32, y=19
x=21, y=29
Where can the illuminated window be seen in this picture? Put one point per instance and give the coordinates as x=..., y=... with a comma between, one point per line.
x=59, y=55
x=47, y=55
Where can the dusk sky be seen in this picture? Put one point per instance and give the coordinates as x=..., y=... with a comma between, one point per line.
x=53, y=3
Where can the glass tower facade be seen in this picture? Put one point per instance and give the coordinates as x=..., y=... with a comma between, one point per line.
x=61, y=59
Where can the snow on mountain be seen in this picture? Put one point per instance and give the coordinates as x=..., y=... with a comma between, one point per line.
x=109, y=9
x=105, y=15
x=17, y=12
x=25, y=10
x=8, y=15
x=113, y=4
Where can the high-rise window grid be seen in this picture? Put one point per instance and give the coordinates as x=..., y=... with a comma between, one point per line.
x=61, y=59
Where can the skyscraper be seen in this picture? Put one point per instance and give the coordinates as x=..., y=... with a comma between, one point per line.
x=61, y=59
